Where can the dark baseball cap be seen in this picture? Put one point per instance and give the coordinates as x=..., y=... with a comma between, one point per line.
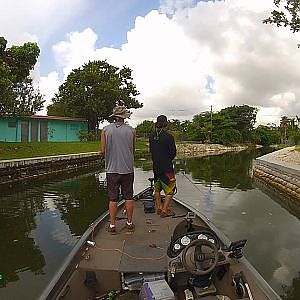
x=161, y=121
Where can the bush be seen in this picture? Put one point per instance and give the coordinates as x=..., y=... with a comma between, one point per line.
x=85, y=136
x=227, y=136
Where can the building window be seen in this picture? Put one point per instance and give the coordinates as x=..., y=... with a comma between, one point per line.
x=12, y=124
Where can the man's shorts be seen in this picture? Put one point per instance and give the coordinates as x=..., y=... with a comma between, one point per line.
x=165, y=182
x=115, y=181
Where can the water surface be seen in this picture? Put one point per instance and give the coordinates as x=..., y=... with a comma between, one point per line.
x=41, y=223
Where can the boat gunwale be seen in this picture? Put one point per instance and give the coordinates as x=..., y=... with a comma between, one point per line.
x=62, y=271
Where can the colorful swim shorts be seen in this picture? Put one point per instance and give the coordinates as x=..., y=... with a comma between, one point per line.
x=165, y=182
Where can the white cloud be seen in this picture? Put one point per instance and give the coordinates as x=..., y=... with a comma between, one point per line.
x=18, y=19
x=48, y=86
x=172, y=57
x=269, y=115
x=77, y=50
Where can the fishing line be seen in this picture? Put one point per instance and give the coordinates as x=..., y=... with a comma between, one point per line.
x=193, y=183
x=210, y=190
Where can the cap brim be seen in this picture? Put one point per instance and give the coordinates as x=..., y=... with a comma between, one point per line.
x=125, y=116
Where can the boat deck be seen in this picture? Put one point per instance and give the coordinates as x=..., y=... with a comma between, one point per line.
x=150, y=229
x=131, y=252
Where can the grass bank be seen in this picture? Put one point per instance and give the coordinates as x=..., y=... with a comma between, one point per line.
x=28, y=150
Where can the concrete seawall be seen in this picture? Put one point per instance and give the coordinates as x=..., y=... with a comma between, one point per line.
x=283, y=175
x=199, y=150
x=17, y=170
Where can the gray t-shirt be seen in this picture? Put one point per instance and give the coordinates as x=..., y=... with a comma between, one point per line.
x=119, y=156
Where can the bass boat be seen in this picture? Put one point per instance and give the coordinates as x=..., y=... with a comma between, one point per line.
x=180, y=257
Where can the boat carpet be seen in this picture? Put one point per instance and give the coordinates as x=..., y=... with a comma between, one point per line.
x=150, y=228
x=143, y=258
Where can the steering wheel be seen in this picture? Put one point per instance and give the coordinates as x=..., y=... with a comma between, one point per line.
x=200, y=257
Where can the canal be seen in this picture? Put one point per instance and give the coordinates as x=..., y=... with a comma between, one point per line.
x=39, y=224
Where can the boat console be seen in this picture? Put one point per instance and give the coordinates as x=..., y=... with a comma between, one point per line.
x=197, y=257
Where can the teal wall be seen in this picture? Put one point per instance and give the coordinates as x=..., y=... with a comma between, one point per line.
x=58, y=130
x=65, y=131
x=9, y=134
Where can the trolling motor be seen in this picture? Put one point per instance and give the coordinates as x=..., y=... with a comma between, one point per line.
x=147, y=193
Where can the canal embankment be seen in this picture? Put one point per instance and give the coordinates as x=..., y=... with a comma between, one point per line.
x=280, y=170
x=25, y=169
x=199, y=150
x=17, y=170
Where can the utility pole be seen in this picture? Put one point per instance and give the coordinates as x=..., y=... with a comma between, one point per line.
x=210, y=123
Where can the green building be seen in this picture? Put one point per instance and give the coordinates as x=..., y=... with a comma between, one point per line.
x=41, y=129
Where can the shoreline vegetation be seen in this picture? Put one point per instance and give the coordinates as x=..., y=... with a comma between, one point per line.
x=10, y=151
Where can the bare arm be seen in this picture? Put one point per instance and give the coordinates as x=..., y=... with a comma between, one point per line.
x=103, y=143
x=134, y=141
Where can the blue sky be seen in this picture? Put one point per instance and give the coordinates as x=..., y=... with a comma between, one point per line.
x=185, y=55
x=111, y=19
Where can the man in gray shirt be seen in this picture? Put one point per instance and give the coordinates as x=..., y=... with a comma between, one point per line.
x=118, y=146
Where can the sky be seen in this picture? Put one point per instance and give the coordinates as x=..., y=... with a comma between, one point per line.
x=185, y=55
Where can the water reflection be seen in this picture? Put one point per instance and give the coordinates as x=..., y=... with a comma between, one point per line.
x=39, y=225
x=18, y=246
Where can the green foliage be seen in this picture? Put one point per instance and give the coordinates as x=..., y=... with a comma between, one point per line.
x=22, y=59
x=92, y=91
x=36, y=149
x=229, y=126
x=28, y=100
x=228, y=136
x=176, y=134
x=85, y=136
x=289, y=130
x=144, y=129
x=287, y=14
x=200, y=128
x=295, y=137
x=266, y=135
x=17, y=95
x=241, y=117
x=175, y=125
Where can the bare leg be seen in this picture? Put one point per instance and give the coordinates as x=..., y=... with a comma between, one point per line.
x=158, y=200
x=168, y=199
x=113, y=207
x=129, y=209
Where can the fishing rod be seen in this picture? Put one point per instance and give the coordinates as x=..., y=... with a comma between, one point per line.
x=204, y=194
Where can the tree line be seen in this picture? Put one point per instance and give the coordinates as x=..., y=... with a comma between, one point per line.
x=231, y=125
